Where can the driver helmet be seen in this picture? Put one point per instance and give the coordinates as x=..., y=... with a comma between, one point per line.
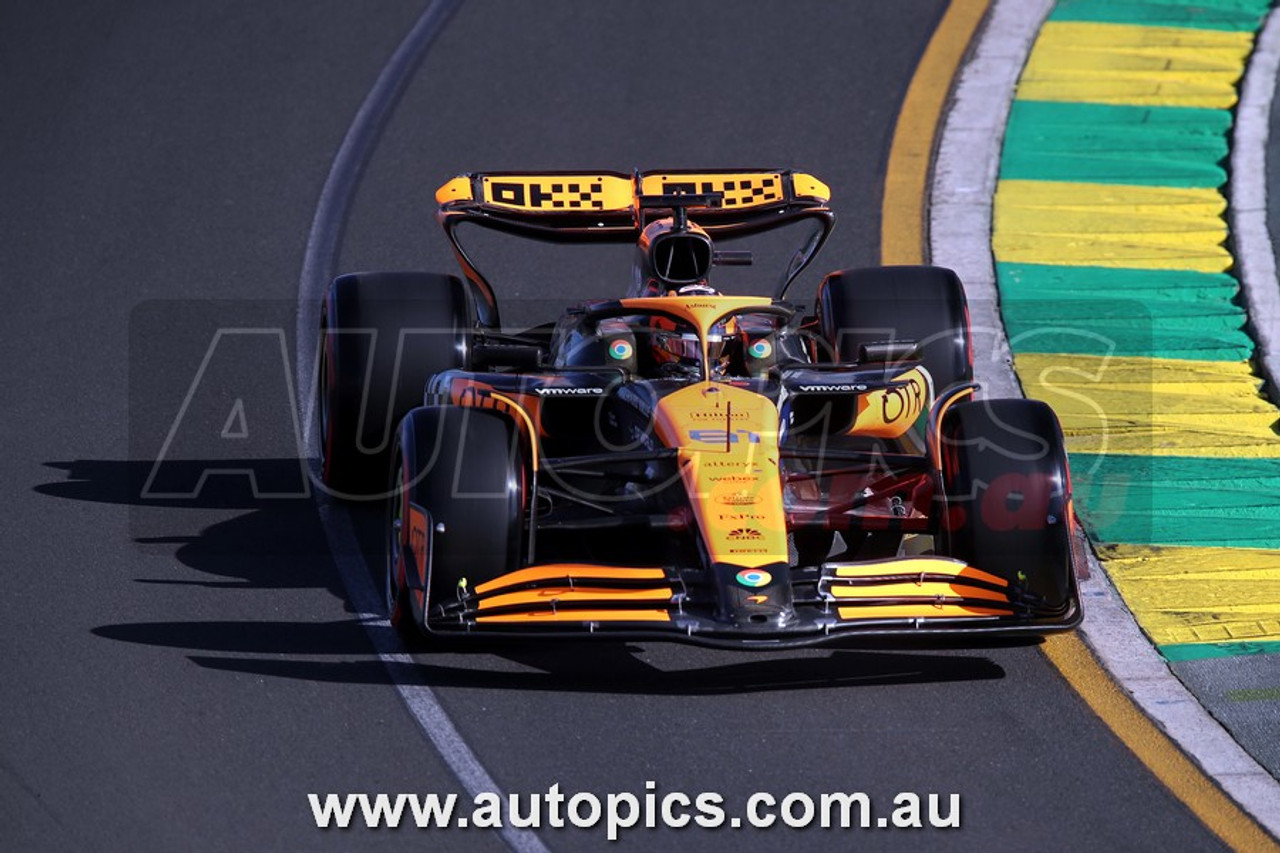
x=700, y=288
x=672, y=346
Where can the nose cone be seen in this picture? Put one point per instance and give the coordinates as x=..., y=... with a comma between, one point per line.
x=727, y=440
x=756, y=599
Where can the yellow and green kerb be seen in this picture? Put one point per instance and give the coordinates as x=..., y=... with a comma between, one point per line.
x=1118, y=297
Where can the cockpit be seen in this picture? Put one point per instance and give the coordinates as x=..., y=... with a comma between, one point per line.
x=655, y=343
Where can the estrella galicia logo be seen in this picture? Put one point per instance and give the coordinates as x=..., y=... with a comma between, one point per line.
x=742, y=534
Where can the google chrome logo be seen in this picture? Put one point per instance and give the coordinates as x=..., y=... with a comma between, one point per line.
x=620, y=350
x=753, y=578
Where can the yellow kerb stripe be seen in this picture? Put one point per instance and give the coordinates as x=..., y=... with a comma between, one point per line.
x=1141, y=66
x=1199, y=595
x=1153, y=406
x=1110, y=225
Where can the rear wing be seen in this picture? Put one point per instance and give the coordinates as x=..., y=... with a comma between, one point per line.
x=569, y=207
x=603, y=205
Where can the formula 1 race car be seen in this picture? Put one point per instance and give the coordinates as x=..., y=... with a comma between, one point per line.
x=680, y=464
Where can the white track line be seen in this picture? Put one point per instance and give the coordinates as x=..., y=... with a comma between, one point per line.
x=960, y=236
x=1248, y=196
x=323, y=244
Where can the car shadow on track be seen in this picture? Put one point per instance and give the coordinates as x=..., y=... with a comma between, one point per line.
x=225, y=535
x=613, y=668
x=226, y=538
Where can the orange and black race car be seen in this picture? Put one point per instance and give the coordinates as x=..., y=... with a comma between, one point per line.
x=681, y=464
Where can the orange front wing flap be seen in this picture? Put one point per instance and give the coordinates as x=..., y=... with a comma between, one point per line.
x=913, y=567
x=575, y=592
x=569, y=574
x=930, y=589
x=920, y=611
x=550, y=596
x=915, y=588
x=581, y=616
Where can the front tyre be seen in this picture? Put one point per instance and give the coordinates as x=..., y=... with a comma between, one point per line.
x=1006, y=498
x=456, y=510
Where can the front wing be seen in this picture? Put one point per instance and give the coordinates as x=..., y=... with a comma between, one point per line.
x=906, y=596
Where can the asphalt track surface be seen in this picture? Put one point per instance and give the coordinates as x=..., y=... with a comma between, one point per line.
x=179, y=674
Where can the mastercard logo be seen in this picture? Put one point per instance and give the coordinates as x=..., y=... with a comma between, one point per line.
x=760, y=349
x=753, y=578
x=621, y=350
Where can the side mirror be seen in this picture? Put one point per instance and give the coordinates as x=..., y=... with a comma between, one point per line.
x=887, y=352
x=731, y=258
x=519, y=356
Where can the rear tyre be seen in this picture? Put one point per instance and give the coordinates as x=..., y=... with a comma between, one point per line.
x=382, y=337
x=908, y=303
x=1006, y=495
x=464, y=467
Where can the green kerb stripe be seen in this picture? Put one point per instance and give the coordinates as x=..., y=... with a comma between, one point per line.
x=1179, y=500
x=1177, y=652
x=1126, y=312
x=1097, y=143
x=1239, y=15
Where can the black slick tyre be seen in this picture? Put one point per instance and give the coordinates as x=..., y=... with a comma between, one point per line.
x=1006, y=495
x=901, y=303
x=463, y=467
x=382, y=337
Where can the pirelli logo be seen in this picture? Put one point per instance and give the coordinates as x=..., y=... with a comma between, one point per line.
x=559, y=193
x=739, y=190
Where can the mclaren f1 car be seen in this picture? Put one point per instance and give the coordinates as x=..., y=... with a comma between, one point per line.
x=678, y=463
